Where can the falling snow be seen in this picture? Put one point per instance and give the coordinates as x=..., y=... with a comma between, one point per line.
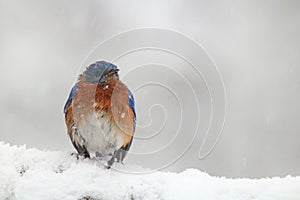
x=122, y=114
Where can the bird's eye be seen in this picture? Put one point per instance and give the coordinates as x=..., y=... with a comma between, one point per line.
x=97, y=73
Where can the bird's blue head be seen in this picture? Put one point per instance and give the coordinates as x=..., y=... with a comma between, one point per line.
x=100, y=71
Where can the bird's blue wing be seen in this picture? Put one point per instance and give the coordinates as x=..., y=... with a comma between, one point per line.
x=122, y=152
x=131, y=102
x=71, y=95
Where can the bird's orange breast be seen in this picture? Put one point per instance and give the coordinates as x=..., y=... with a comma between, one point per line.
x=110, y=98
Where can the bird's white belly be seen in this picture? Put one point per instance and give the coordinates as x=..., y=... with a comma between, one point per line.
x=98, y=135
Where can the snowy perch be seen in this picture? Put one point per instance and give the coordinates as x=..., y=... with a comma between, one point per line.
x=40, y=175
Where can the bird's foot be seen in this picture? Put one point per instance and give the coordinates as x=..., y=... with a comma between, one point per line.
x=78, y=156
x=103, y=164
x=75, y=155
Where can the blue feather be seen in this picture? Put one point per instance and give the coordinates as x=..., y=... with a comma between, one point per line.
x=70, y=98
x=131, y=102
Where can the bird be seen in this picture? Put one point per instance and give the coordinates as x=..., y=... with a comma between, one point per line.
x=100, y=114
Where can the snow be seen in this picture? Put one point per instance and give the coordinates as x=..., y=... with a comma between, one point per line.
x=35, y=174
x=122, y=115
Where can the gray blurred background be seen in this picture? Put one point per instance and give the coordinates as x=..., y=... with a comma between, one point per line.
x=255, y=45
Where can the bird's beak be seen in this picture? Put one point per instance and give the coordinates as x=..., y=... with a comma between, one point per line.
x=115, y=71
x=110, y=73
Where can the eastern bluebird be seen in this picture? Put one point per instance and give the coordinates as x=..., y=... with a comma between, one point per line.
x=100, y=114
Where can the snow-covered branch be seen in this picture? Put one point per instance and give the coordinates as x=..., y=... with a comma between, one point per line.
x=40, y=175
